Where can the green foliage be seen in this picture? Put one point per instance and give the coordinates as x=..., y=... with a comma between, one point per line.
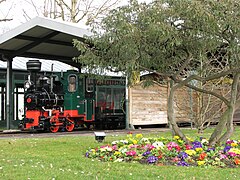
x=161, y=35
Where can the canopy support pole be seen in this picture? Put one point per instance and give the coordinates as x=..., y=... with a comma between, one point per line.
x=9, y=93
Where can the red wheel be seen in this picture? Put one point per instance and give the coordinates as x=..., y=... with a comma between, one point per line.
x=70, y=125
x=54, y=128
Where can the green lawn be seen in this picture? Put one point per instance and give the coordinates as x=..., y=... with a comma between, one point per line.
x=63, y=158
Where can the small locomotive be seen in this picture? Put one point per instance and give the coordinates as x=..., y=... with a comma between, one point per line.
x=66, y=100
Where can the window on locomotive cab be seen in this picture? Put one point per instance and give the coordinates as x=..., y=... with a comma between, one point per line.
x=89, y=85
x=72, y=83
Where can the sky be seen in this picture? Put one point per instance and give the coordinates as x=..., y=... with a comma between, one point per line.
x=14, y=9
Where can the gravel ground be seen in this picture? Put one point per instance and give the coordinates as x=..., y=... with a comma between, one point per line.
x=25, y=134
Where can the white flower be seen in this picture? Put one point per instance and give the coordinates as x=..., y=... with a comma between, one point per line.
x=158, y=144
x=118, y=160
x=115, y=142
x=204, y=141
x=123, y=150
x=124, y=141
x=108, y=148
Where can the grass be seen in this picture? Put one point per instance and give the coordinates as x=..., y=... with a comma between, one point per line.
x=63, y=158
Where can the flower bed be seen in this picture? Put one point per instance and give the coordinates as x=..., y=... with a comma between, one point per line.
x=162, y=151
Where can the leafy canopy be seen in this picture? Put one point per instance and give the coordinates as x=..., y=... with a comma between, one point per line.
x=165, y=36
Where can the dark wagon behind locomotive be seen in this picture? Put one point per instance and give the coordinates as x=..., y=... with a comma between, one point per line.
x=66, y=100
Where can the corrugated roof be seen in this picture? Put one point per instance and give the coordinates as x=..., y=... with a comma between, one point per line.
x=43, y=38
x=19, y=63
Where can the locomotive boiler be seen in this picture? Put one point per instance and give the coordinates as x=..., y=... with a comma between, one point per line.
x=65, y=100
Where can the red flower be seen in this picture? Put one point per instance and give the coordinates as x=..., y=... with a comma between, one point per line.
x=178, y=148
x=237, y=161
x=202, y=156
x=188, y=147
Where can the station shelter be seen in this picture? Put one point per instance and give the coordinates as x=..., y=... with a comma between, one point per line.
x=42, y=39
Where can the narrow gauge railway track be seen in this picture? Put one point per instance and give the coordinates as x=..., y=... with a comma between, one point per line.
x=27, y=134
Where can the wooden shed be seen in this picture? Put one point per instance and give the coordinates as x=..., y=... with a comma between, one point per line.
x=148, y=106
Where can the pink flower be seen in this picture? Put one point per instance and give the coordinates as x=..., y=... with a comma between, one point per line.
x=114, y=147
x=223, y=156
x=188, y=147
x=149, y=147
x=229, y=141
x=134, y=146
x=232, y=154
x=131, y=153
x=172, y=145
x=176, y=159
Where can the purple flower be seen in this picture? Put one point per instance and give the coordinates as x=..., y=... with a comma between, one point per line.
x=227, y=148
x=87, y=154
x=182, y=163
x=197, y=144
x=152, y=159
x=182, y=155
x=211, y=149
x=146, y=153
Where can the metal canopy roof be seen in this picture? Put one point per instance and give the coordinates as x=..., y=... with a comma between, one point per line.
x=43, y=38
x=39, y=38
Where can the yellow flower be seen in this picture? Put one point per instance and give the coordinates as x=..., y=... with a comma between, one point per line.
x=139, y=136
x=176, y=137
x=199, y=149
x=117, y=153
x=129, y=146
x=102, y=149
x=129, y=135
x=234, y=144
x=200, y=163
x=135, y=141
x=190, y=139
x=190, y=152
x=235, y=150
x=180, y=141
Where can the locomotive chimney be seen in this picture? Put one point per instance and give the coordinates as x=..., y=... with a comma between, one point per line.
x=34, y=66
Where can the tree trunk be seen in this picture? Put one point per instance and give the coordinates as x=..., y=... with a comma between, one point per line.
x=171, y=119
x=219, y=128
x=232, y=108
x=229, y=131
x=227, y=117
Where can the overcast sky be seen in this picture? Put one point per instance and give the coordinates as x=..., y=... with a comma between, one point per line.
x=14, y=9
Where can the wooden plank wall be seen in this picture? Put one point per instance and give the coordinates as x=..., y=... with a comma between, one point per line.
x=148, y=106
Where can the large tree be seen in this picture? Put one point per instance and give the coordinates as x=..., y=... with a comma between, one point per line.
x=176, y=39
x=70, y=10
x=4, y=18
